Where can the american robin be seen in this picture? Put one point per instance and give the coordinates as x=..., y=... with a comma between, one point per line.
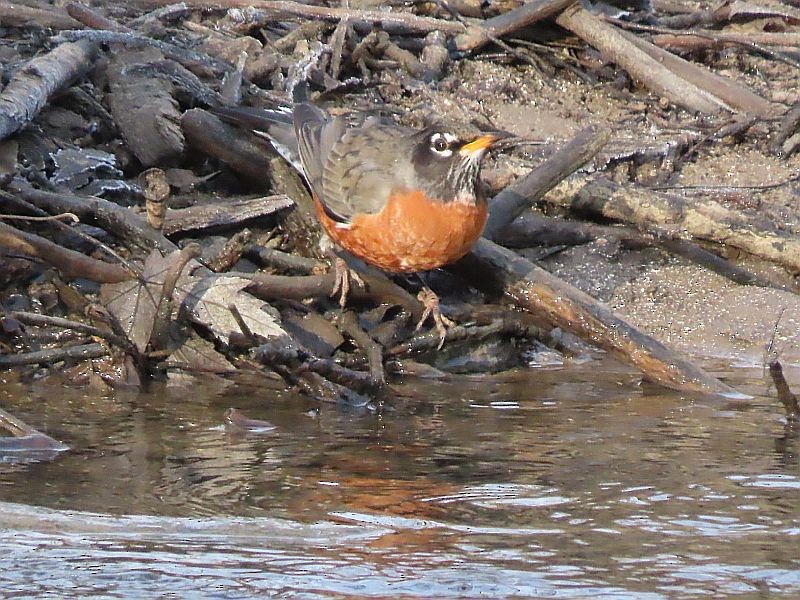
x=401, y=199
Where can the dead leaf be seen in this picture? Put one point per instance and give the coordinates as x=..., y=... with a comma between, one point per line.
x=135, y=302
x=208, y=301
x=199, y=355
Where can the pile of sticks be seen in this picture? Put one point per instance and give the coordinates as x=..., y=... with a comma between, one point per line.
x=133, y=88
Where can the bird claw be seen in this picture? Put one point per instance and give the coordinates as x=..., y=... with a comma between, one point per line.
x=431, y=303
x=343, y=279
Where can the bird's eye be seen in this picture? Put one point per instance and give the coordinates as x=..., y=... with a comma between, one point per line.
x=440, y=143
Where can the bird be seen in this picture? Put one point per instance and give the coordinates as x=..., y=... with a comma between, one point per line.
x=401, y=199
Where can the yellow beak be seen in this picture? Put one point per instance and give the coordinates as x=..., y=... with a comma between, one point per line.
x=481, y=143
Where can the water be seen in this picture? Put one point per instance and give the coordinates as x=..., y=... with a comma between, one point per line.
x=569, y=483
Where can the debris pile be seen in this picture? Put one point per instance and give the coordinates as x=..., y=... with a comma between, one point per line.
x=142, y=237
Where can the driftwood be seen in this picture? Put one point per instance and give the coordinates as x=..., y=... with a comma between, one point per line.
x=122, y=222
x=529, y=13
x=532, y=288
x=256, y=13
x=198, y=63
x=702, y=218
x=492, y=268
x=222, y=214
x=19, y=15
x=683, y=83
x=31, y=88
x=145, y=111
x=70, y=263
x=532, y=229
x=514, y=200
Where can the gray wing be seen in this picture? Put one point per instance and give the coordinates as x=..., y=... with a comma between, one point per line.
x=316, y=134
x=365, y=166
x=352, y=161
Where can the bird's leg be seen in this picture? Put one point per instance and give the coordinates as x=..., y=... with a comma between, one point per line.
x=431, y=303
x=343, y=278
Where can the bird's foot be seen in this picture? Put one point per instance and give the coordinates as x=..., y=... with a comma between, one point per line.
x=344, y=277
x=431, y=303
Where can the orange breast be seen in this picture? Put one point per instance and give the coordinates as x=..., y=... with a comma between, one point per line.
x=411, y=233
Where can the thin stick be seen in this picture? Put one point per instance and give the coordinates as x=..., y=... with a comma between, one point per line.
x=53, y=355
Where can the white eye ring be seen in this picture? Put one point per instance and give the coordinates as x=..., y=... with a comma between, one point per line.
x=440, y=144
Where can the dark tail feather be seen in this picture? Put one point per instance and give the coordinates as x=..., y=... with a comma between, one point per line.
x=259, y=119
x=271, y=124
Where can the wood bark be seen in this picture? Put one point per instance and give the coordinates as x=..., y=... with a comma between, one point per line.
x=32, y=87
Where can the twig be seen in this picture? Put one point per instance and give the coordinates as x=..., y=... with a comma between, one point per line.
x=120, y=221
x=273, y=354
x=230, y=253
x=376, y=289
x=47, y=321
x=243, y=326
x=71, y=216
x=92, y=18
x=431, y=340
x=789, y=124
x=160, y=332
x=171, y=12
x=282, y=261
